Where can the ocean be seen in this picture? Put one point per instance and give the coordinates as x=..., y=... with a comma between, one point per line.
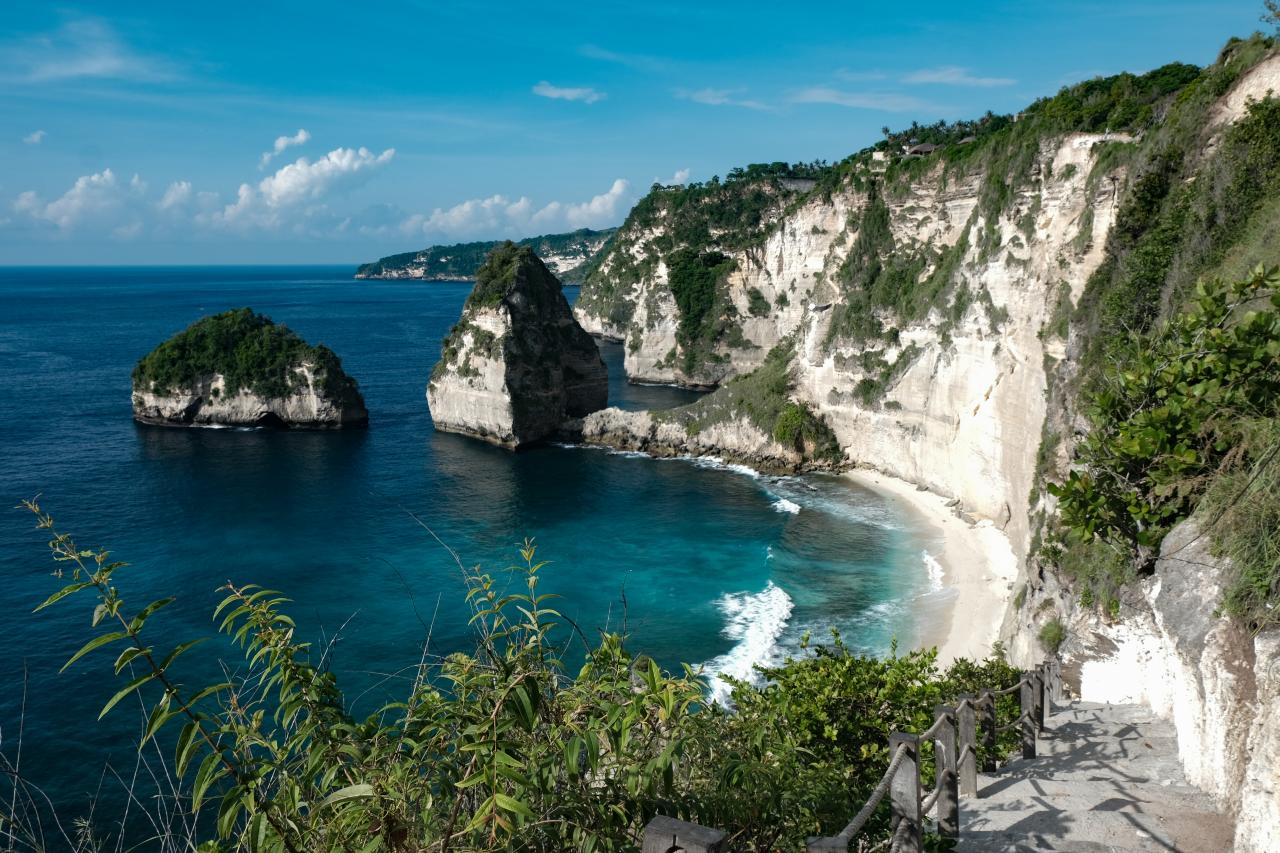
x=702, y=562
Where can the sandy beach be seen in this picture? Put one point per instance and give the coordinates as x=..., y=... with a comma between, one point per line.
x=978, y=567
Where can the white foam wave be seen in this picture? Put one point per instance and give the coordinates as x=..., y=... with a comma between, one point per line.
x=934, y=568
x=755, y=621
x=784, y=505
x=718, y=463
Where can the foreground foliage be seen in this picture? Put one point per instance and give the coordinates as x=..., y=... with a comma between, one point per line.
x=504, y=748
x=1182, y=412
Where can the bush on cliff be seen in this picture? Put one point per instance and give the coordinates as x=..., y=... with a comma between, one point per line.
x=501, y=748
x=1173, y=419
x=249, y=350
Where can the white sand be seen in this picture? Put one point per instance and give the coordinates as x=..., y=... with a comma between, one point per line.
x=978, y=569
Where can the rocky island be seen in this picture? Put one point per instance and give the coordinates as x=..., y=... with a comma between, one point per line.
x=239, y=368
x=517, y=365
x=569, y=256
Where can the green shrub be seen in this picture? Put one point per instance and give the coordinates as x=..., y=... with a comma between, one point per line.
x=503, y=748
x=249, y=350
x=757, y=305
x=1163, y=419
x=1052, y=635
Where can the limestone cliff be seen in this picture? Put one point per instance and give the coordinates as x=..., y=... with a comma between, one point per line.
x=239, y=368
x=940, y=314
x=517, y=365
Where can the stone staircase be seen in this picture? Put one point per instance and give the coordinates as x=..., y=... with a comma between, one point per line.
x=1106, y=778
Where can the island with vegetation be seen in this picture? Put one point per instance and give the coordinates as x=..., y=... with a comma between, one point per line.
x=517, y=365
x=239, y=368
x=568, y=256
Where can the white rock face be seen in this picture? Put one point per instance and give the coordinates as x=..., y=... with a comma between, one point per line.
x=207, y=403
x=1219, y=684
x=517, y=366
x=964, y=418
x=735, y=440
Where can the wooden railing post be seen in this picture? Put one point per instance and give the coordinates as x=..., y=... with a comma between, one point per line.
x=987, y=730
x=665, y=834
x=1038, y=697
x=944, y=752
x=904, y=791
x=1027, y=717
x=967, y=746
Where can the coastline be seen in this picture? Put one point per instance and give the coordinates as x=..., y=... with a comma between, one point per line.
x=978, y=569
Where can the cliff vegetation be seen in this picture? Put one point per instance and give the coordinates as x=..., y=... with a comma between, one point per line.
x=249, y=350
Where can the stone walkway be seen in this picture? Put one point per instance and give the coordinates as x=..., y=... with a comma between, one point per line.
x=1106, y=778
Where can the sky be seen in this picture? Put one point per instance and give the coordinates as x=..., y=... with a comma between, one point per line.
x=338, y=132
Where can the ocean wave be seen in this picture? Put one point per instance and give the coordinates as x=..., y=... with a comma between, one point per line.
x=934, y=568
x=784, y=505
x=719, y=464
x=755, y=621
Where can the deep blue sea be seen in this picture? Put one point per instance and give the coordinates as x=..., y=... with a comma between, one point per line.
x=716, y=565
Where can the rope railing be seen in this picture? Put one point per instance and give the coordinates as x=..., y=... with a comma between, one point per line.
x=962, y=734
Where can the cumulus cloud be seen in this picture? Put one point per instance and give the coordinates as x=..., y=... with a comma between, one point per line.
x=91, y=196
x=720, y=98
x=301, y=181
x=177, y=195
x=568, y=93
x=887, y=101
x=294, y=197
x=283, y=142
x=82, y=48
x=680, y=178
x=502, y=216
x=955, y=75
x=34, y=138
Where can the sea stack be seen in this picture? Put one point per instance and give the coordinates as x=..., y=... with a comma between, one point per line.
x=238, y=368
x=517, y=365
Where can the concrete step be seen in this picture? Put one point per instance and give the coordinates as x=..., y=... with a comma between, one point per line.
x=1106, y=778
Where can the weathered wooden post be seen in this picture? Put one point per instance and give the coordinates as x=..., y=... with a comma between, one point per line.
x=1027, y=722
x=904, y=791
x=944, y=753
x=967, y=746
x=668, y=835
x=1038, y=697
x=987, y=729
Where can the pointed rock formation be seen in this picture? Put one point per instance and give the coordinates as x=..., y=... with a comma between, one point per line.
x=517, y=365
x=239, y=368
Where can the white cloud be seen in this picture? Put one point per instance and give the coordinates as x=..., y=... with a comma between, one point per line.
x=176, y=195
x=34, y=138
x=298, y=182
x=294, y=197
x=954, y=75
x=83, y=48
x=283, y=142
x=680, y=178
x=569, y=93
x=887, y=101
x=501, y=216
x=720, y=98
x=90, y=197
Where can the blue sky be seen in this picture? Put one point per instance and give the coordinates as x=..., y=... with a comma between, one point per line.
x=338, y=132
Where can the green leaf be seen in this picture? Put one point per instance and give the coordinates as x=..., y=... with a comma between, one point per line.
x=187, y=743
x=351, y=792
x=96, y=643
x=63, y=593
x=141, y=619
x=210, y=769
x=125, y=691
x=511, y=804
x=173, y=655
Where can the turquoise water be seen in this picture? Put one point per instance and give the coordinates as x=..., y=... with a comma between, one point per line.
x=715, y=564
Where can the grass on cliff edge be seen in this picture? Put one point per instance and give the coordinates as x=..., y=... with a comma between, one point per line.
x=764, y=397
x=250, y=351
x=502, y=747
